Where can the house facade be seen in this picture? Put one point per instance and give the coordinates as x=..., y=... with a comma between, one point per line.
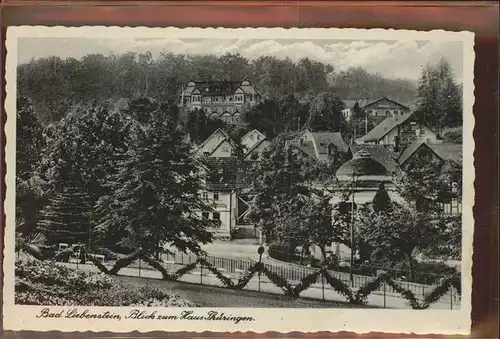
x=439, y=152
x=398, y=131
x=224, y=100
x=251, y=138
x=255, y=152
x=221, y=192
x=218, y=144
x=382, y=108
x=319, y=145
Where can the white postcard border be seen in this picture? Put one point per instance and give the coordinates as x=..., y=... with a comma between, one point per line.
x=18, y=317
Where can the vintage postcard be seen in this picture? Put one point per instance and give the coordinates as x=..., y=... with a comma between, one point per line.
x=238, y=180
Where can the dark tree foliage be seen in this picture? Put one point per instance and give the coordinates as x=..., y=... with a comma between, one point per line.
x=325, y=112
x=82, y=150
x=265, y=117
x=200, y=126
x=30, y=190
x=381, y=201
x=357, y=84
x=279, y=175
x=155, y=196
x=440, y=96
x=69, y=82
x=67, y=218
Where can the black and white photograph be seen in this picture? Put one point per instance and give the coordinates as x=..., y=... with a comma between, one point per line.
x=261, y=179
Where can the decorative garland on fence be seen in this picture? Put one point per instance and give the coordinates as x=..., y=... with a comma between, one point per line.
x=359, y=297
x=119, y=264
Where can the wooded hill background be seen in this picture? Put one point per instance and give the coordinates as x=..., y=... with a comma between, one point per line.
x=56, y=85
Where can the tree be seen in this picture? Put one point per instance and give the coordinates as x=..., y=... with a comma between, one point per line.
x=325, y=112
x=439, y=96
x=453, y=135
x=265, y=118
x=67, y=218
x=400, y=234
x=155, y=196
x=420, y=183
x=292, y=113
x=381, y=200
x=30, y=189
x=200, y=126
x=279, y=175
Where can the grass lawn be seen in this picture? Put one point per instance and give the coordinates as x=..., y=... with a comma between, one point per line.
x=210, y=296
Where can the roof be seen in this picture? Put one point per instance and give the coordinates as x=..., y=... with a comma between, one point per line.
x=211, y=135
x=444, y=151
x=257, y=144
x=362, y=165
x=323, y=139
x=218, y=87
x=383, y=98
x=351, y=103
x=252, y=131
x=232, y=144
x=222, y=173
x=387, y=125
x=381, y=154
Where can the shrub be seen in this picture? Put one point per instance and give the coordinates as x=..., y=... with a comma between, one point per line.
x=283, y=252
x=48, y=283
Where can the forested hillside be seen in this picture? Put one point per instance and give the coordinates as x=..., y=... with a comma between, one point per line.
x=57, y=86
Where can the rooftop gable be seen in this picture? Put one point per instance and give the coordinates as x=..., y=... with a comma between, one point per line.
x=218, y=131
x=387, y=125
x=366, y=104
x=443, y=151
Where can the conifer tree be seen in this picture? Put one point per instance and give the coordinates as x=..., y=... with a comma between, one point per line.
x=156, y=194
x=381, y=200
x=30, y=191
x=67, y=217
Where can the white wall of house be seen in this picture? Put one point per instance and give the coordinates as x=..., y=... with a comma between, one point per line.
x=251, y=138
x=211, y=143
x=225, y=211
x=224, y=150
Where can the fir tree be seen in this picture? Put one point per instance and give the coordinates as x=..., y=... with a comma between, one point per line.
x=67, y=217
x=155, y=196
x=440, y=97
x=30, y=189
x=381, y=201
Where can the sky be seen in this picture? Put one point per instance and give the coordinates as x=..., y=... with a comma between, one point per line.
x=393, y=59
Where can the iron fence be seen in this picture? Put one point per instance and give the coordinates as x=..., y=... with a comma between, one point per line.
x=236, y=267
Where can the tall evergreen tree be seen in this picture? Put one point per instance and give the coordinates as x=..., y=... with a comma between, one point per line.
x=155, y=196
x=30, y=190
x=67, y=218
x=381, y=201
x=440, y=96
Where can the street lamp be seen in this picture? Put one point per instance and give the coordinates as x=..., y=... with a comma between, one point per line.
x=351, y=266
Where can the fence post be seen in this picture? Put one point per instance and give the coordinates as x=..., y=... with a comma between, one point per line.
x=201, y=274
x=384, y=293
x=451, y=298
x=323, y=285
x=139, y=267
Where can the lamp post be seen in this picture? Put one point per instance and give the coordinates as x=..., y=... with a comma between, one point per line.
x=352, y=231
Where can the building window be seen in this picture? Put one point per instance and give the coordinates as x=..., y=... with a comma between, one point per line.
x=216, y=196
x=225, y=149
x=205, y=195
x=204, y=215
x=216, y=219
